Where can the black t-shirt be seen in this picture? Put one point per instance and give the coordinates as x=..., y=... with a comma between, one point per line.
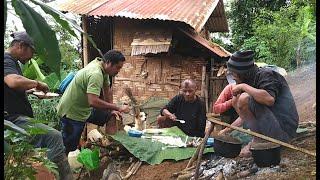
x=284, y=107
x=15, y=102
x=194, y=114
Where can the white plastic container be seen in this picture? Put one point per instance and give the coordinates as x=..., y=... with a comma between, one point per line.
x=72, y=159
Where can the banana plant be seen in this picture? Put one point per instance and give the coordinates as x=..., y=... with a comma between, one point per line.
x=45, y=40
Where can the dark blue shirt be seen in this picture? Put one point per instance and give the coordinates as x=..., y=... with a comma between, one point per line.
x=15, y=101
x=194, y=114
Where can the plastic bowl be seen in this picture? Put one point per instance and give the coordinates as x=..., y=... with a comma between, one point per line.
x=134, y=133
x=210, y=142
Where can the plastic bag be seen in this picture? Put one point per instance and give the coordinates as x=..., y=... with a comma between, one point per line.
x=90, y=159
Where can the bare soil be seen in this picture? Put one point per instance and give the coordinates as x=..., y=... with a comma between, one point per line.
x=294, y=164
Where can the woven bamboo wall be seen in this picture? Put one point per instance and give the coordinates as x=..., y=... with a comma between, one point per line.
x=164, y=72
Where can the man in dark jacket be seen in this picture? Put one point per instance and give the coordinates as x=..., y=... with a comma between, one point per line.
x=186, y=106
x=262, y=99
x=17, y=107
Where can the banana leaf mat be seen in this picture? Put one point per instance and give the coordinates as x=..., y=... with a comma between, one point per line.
x=154, y=152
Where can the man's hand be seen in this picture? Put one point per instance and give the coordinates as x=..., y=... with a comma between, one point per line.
x=41, y=86
x=124, y=108
x=224, y=131
x=237, y=89
x=116, y=114
x=172, y=116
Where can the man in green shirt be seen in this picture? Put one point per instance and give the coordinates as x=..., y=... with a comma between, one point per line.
x=88, y=98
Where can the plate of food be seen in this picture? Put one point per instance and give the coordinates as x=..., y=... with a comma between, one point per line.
x=44, y=95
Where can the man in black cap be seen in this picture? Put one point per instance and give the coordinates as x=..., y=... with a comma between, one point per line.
x=262, y=99
x=17, y=108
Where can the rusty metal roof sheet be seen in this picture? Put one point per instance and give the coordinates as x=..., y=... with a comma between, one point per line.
x=196, y=13
x=215, y=48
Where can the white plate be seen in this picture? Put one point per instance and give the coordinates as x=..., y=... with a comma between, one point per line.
x=45, y=95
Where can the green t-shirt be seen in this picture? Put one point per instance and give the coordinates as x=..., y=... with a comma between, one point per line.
x=74, y=101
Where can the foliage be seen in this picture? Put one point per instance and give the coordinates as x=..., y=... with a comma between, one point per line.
x=285, y=38
x=242, y=14
x=45, y=109
x=20, y=154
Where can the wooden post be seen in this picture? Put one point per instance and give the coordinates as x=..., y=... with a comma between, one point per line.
x=203, y=81
x=85, y=40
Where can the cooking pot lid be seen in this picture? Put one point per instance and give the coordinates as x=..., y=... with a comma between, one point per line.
x=264, y=146
x=227, y=139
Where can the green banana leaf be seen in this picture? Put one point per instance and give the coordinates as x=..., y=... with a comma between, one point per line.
x=44, y=37
x=156, y=152
x=57, y=16
x=52, y=81
x=37, y=69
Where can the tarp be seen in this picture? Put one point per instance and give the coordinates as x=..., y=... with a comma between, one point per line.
x=156, y=152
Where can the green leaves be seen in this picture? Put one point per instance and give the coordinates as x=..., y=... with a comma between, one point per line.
x=5, y=15
x=44, y=37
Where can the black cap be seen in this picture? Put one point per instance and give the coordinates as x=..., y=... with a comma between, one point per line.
x=24, y=37
x=241, y=61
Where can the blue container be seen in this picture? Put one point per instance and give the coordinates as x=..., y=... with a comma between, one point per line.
x=66, y=81
x=210, y=142
x=134, y=133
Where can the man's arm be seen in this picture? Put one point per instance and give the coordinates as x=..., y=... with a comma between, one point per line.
x=260, y=95
x=224, y=101
x=238, y=122
x=170, y=108
x=96, y=102
x=19, y=82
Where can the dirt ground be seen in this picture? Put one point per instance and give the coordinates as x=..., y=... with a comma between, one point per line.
x=294, y=164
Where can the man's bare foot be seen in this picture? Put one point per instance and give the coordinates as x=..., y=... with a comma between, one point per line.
x=245, y=151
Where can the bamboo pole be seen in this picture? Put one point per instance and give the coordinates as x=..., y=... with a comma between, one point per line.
x=215, y=120
x=85, y=41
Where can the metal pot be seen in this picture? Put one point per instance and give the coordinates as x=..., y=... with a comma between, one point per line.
x=266, y=154
x=227, y=146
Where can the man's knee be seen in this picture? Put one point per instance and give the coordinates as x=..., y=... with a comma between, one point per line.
x=243, y=102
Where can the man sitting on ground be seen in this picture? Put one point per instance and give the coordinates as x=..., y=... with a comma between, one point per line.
x=186, y=106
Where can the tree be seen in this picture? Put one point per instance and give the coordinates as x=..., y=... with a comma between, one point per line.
x=243, y=13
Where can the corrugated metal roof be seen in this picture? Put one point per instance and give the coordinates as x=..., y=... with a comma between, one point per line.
x=215, y=48
x=193, y=12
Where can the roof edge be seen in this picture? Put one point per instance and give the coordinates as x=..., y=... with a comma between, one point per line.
x=212, y=8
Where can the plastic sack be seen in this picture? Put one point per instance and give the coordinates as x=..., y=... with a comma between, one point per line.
x=90, y=159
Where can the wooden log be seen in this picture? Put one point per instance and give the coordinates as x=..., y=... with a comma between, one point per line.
x=194, y=157
x=196, y=174
x=214, y=120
